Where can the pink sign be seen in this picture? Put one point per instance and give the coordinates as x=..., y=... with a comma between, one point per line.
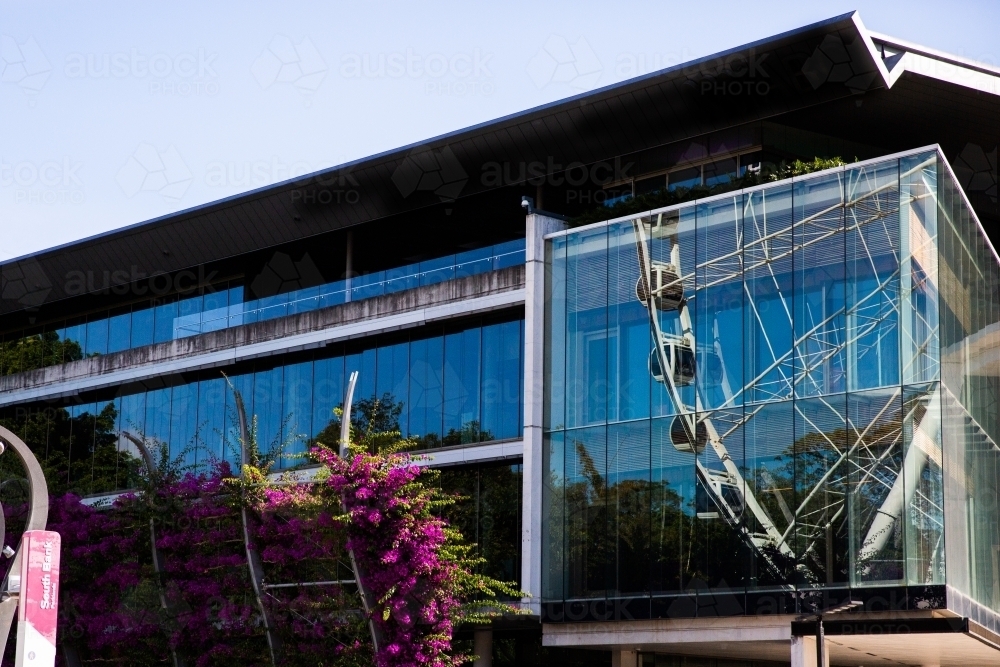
x=38, y=606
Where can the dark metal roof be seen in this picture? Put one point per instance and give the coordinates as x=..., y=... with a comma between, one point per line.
x=832, y=64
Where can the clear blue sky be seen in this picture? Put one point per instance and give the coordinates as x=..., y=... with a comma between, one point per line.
x=114, y=113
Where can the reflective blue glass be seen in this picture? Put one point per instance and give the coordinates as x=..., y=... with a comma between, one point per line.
x=872, y=252
x=767, y=261
x=392, y=366
x=501, y=381
x=142, y=327
x=215, y=315
x=629, y=333
x=588, y=546
x=184, y=422
x=327, y=393
x=586, y=327
x=818, y=286
x=268, y=408
x=158, y=416
x=719, y=303
x=163, y=325
x=189, y=314
x=461, y=386
x=214, y=402
x=426, y=390
x=97, y=337
x=554, y=386
x=438, y=270
x=297, y=411
x=77, y=332
x=119, y=332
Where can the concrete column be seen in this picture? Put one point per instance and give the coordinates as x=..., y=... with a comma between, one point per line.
x=804, y=652
x=537, y=226
x=621, y=658
x=482, y=646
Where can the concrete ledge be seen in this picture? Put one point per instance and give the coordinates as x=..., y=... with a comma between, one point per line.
x=669, y=631
x=465, y=296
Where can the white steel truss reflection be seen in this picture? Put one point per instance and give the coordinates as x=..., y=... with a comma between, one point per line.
x=867, y=461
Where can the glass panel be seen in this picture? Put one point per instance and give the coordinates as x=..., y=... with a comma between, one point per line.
x=628, y=330
x=426, y=390
x=872, y=252
x=75, y=334
x=163, y=326
x=768, y=437
x=553, y=517
x=142, y=327
x=242, y=383
x=507, y=254
x=437, y=270
x=329, y=385
x=629, y=502
x=158, y=416
x=188, y=320
x=876, y=486
x=919, y=268
x=119, y=332
x=461, y=387
x=719, y=303
x=819, y=286
x=721, y=557
x=589, y=555
x=684, y=178
x=297, y=412
x=214, y=402
x=767, y=258
x=471, y=262
x=923, y=479
x=820, y=499
x=97, y=336
x=303, y=300
x=215, y=315
x=554, y=383
x=404, y=277
x=392, y=382
x=499, y=539
x=267, y=408
x=586, y=336
x=644, y=186
x=184, y=422
x=720, y=172
x=501, y=388
x=672, y=360
x=672, y=510
x=132, y=419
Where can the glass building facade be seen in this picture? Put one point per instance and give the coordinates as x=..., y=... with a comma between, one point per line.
x=219, y=306
x=455, y=384
x=787, y=388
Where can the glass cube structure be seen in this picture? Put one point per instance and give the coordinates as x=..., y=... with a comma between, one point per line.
x=778, y=393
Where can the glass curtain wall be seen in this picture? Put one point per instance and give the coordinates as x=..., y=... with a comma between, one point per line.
x=223, y=305
x=452, y=385
x=749, y=394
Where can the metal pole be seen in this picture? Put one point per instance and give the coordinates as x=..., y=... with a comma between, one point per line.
x=820, y=642
x=345, y=417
